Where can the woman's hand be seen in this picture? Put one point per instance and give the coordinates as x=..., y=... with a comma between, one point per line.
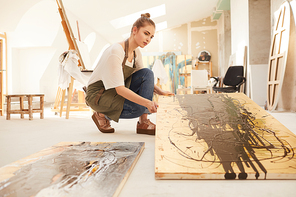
x=159, y=91
x=152, y=106
x=166, y=93
x=130, y=95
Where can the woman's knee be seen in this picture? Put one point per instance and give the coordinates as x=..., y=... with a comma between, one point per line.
x=149, y=77
x=148, y=73
x=144, y=73
x=132, y=111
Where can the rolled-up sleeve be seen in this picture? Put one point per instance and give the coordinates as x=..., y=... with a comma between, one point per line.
x=113, y=75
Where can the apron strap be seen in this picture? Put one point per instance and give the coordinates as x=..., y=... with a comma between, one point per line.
x=101, y=91
x=126, y=55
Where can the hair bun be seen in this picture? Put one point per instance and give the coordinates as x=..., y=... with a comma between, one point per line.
x=147, y=15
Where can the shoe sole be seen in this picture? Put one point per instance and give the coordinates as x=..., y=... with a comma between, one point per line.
x=146, y=131
x=98, y=125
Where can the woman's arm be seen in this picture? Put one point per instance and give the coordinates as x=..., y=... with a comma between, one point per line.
x=130, y=95
x=160, y=91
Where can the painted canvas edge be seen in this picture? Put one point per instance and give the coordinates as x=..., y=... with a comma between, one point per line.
x=8, y=170
x=200, y=176
x=124, y=180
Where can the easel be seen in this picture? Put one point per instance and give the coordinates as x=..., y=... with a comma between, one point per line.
x=186, y=74
x=60, y=97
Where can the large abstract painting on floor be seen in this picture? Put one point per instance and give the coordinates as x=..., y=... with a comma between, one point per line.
x=72, y=169
x=221, y=136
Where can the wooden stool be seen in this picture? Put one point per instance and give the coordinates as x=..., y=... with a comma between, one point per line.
x=23, y=111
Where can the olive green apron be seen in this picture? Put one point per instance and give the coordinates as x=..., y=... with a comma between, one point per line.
x=108, y=102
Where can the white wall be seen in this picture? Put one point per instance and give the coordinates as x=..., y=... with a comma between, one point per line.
x=12, y=11
x=250, y=27
x=240, y=34
x=37, y=27
x=239, y=26
x=35, y=44
x=259, y=48
x=224, y=42
x=189, y=39
x=26, y=79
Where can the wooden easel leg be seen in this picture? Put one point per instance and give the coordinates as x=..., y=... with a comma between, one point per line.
x=69, y=98
x=80, y=98
x=1, y=102
x=8, y=107
x=73, y=94
x=62, y=102
x=30, y=107
x=22, y=106
x=42, y=107
x=57, y=100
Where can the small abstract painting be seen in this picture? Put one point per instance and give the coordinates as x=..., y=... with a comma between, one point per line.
x=184, y=68
x=175, y=66
x=72, y=169
x=221, y=136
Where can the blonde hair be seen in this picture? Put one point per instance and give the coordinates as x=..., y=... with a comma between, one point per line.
x=143, y=21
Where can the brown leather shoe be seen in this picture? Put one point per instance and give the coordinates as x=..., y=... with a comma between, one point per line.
x=146, y=127
x=104, y=127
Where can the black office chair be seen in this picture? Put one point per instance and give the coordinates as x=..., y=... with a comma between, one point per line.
x=233, y=79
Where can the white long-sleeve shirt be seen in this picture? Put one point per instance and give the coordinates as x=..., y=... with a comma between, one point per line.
x=109, y=67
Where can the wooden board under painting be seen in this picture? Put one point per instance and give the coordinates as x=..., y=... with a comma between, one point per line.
x=221, y=136
x=72, y=169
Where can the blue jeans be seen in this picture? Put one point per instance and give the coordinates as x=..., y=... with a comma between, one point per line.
x=142, y=84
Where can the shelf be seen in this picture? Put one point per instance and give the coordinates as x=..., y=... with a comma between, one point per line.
x=209, y=65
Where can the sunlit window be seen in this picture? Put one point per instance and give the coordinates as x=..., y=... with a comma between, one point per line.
x=130, y=19
x=161, y=26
